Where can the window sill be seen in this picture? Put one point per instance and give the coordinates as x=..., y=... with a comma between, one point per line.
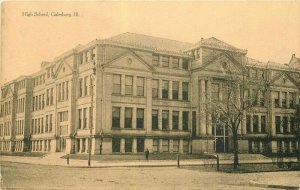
x=130, y=96
x=118, y=128
x=165, y=99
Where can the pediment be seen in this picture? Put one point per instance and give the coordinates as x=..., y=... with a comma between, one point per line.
x=223, y=63
x=130, y=60
x=284, y=80
x=63, y=69
x=8, y=92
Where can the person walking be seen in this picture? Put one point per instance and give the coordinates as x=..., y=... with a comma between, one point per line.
x=147, y=154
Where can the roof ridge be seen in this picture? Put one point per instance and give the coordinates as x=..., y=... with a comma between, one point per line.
x=150, y=36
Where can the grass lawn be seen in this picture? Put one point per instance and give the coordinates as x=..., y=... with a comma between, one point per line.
x=25, y=154
x=259, y=167
x=135, y=157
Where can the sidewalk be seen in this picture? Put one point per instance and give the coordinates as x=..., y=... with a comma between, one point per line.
x=101, y=164
x=56, y=160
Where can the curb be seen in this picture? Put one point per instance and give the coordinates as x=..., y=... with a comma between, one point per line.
x=111, y=166
x=256, y=184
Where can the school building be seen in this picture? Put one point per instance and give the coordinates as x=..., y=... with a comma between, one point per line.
x=133, y=92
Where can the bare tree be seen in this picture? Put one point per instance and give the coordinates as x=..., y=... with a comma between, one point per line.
x=240, y=96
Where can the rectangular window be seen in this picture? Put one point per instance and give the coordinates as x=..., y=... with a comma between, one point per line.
x=278, y=124
x=116, y=84
x=50, y=125
x=248, y=123
x=46, y=123
x=85, y=86
x=128, y=85
x=154, y=119
x=39, y=125
x=33, y=104
x=292, y=99
x=42, y=125
x=175, y=89
x=254, y=96
x=40, y=102
x=84, y=118
x=279, y=146
x=165, y=89
x=59, y=92
x=80, y=58
x=286, y=146
x=128, y=145
x=155, y=60
x=155, y=147
x=67, y=90
x=175, y=145
x=43, y=101
x=48, y=97
x=285, y=124
x=165, y=61
x=154, y=88
x=262, y=99
x=165, y=119
x=88, y=56
x=255, y=123
x=175, y=63
x=128, y=117
x=51, y=96
x=284, y=98
x=194, y=121
x=185, y=120
x=79, y=118
x=294, y=126
x=140, y=118
x=165, y=145
x=63, y=116
x=263, y=124
x=294, y=146
x=185, y=91
x=116, y=117
x=116, y=142
x=185, y=64
x=63, y=91
x=175, y=117
x=140, y=145
x=80, y=87
x=276, y=99
x=140, y=86
x=83, y=145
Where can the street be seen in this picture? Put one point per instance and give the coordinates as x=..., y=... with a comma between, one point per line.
x=30, y=176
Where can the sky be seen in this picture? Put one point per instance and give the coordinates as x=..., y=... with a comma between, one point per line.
x=268, y=30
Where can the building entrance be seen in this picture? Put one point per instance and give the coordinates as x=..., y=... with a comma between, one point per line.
x=62, y=144
x=221, y=145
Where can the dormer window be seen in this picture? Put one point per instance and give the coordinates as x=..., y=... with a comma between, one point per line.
x=185, y=64
x=155, y=60
x=165, y=61
x=175, y=62
x=253, y=73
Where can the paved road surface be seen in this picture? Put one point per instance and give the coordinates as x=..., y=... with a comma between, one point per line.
x=30, y=176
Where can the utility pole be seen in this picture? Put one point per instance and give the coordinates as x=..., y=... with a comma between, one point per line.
x=91, y=111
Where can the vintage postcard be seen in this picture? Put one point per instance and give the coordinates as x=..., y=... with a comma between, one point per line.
x=150, y=95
